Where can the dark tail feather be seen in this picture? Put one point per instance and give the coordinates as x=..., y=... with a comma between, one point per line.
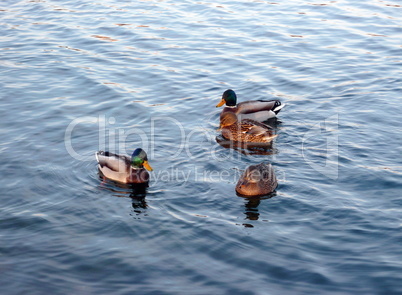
x=278, y=106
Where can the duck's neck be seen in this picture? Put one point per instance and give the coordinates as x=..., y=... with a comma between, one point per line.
x=136, y=168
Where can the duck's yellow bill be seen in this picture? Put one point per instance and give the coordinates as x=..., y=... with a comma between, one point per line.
x=147, y=166
x=221, y=103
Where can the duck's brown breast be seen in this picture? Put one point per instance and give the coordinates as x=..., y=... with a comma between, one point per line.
x=138, y=176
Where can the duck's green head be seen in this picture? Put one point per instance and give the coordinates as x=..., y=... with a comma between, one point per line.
x=139, y=159
x=229, y=97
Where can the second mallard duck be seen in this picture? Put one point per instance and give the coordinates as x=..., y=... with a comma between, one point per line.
x=245, y=130
x=258, y=110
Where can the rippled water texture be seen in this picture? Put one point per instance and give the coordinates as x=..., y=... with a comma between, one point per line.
x=79, y=76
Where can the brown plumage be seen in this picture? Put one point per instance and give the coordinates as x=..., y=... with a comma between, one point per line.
x=246, y=130
x=257, y=180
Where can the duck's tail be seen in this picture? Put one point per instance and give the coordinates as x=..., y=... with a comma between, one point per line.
x=277, y=107
x=97, y=155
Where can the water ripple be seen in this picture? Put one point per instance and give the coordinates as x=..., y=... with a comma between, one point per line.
x=79, y=77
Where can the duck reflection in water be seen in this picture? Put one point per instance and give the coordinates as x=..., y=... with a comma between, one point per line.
x=137, y=195
x=251, y=207
x=137, y=192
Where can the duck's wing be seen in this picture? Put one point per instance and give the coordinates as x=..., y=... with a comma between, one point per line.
x=254, y=127
x=268, y=174
x=112, y=161
x=256, y=130
x=260, y=116
x=255, y=106
x=259, y=132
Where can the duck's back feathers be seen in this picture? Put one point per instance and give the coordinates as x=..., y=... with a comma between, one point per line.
x=260, y=116
x=249, y=122
x=112, y=161
x=248, y=131
x=258, y=110
x=256, y=130
x=253, y=106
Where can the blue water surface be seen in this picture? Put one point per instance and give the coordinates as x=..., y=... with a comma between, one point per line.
x=81, y=76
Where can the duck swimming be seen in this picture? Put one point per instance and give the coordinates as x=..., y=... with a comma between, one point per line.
x=124, y=169
x=258, y=110
x=246, y=130
x=257, y=180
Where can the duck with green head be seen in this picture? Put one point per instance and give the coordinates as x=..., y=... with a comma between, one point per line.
x=245, y=130
x=258, y=110
x=123, y=168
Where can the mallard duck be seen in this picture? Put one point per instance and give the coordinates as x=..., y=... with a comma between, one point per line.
x=246, y=130
x=258, y=110
x=122, y=168
x=257, y=180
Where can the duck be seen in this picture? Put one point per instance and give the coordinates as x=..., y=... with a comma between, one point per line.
x=258, y=110
x=245, y=130
x=257, y=180
x=124, y=169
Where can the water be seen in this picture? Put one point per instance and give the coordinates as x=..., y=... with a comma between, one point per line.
x=80, y=76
